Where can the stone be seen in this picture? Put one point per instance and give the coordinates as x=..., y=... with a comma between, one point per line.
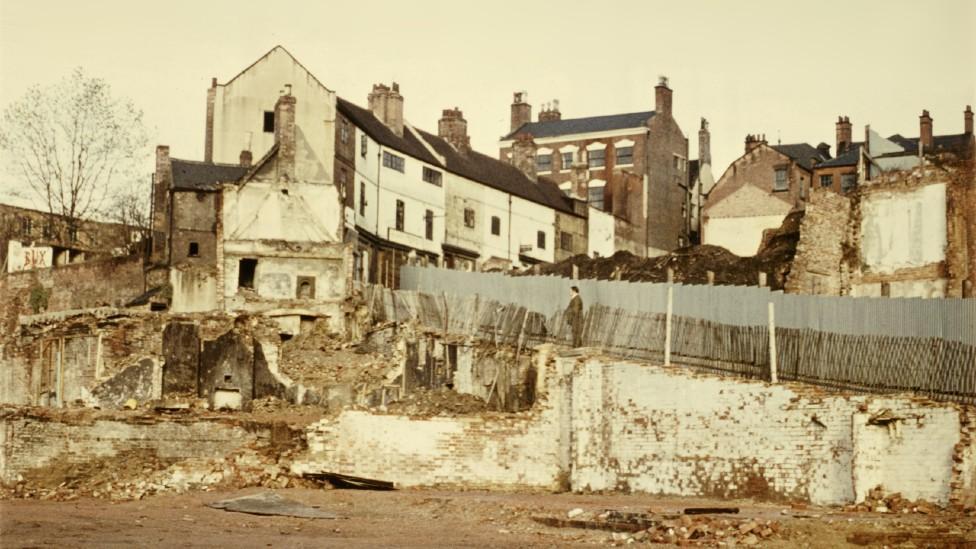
x=574, y=513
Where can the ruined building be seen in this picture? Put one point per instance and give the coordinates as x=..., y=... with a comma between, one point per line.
x=908, y=227
x=757, y=191
x=632, y=166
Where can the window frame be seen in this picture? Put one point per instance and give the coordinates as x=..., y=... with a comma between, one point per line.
x=394, y=162
x=620, y=159
x=563, y=155
x=601, y=158
x=852, y=177
x=401, y=214
x=429, y=224
x=496, y=225
x=432, y=176
x=786, y=179
x=268, y=122
x=469, y=224
x=543, y=167
x=362, y=198
x=829, y=178
x=540, y=240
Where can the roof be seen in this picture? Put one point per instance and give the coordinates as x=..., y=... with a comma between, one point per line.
x=499, y=175
x=847, y=158
x=589, y=124
x=471, y=165
x=280, y=48
x=191, y=175
x=376, y=129
x=804, y=154
x=957, y=143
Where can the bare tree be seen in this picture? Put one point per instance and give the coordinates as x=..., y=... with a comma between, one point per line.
x=73, y=145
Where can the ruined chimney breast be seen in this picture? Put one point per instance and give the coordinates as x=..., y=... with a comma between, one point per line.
x=453, y=128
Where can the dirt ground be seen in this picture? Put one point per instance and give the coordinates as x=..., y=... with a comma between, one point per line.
x=426, y=518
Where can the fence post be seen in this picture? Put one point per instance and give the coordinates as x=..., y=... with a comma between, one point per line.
x=667, y=327
x=772, y=344
x=762, y=279
x=711, y=277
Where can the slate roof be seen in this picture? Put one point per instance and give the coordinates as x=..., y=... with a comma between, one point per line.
x=583, y=125
x=191, y=175
x=376, y=129
x=804, y=154
x=499, y=175
x=957, y=143
x=848, y=158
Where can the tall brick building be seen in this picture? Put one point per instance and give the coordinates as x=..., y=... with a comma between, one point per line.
x=632, y=165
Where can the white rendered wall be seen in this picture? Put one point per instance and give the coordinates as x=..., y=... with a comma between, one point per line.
x=740, y=235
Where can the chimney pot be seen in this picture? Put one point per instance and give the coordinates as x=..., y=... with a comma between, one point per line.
x=925, y=129
x=968, y=120
x=662, y=97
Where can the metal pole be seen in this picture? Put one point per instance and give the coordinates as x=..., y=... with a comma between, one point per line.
x=667, y=328
x=772, y=344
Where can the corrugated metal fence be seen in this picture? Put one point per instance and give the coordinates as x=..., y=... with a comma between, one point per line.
x=870, y=344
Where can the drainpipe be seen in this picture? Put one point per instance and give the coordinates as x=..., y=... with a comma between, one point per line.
x=510, y=229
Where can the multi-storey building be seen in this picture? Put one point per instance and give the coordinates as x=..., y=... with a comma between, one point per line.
x=633, y=166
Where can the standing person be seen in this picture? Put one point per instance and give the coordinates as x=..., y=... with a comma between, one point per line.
x=574, y=316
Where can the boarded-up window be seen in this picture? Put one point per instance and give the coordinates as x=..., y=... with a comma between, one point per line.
x=429, y=225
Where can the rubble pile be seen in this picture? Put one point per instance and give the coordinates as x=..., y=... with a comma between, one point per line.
x=879, y=502
x=319, y=359
x=700, y=530
x=691, y=264
x=438, y=402
x=135, y=474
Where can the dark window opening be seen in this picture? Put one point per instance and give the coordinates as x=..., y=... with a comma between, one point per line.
x=268, y=121
x=469, y=218
x=625, y=155
x=362, y=145
x=194, y=250
x=26, y=224
x=566, y=242
x=567, y=160
x=227, y=378
x=432, y=176
x=429, y=225
x=847, y=182
x=362, y=198
x=306, y=287
x=543, y=162
x=393, y=161
x=826, y=180
x=540, y=240
x=595, y=197
x=399, y=215
x=596, y=158
x=496, y=225
x=344, y=132
x=245, y=273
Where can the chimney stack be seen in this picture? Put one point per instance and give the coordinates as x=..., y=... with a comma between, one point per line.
x=208, y=136
x=844, y=139
x=521, y=110
x=550, y=111
x=824, y=150
x=453, y=128
x=662, y=97
x=523, y=154
x=925, y=130
x=386, y=104
x=967, y=116
x=753, y=141
x=162, y=181
x=285, y=134
x=704, y=144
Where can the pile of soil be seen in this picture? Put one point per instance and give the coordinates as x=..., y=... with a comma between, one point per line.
x=691, y=264
x=438, y=402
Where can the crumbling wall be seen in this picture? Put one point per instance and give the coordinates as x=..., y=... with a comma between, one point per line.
x=33, y=441
x=661, y=430
x=820, y=266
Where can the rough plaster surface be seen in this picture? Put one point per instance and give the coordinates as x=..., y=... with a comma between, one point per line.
x=903, y=229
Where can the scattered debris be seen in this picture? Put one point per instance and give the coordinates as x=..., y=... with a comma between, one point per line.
x=942, y=540
x=270, y=503
x=346, y=481
x=879, y=502
x=434, y=402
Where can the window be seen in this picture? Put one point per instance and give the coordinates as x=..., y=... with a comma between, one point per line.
x=847, y=182
x=543, y=162
x=596, y=197
x=362, y=145
x=393, y=161
x=194, y=250
x=469, y=218
x=826, y=180
x=496, y=225
x=72, y=234
x=399, y=215
x=245, y=273
x=305, y=287
x=540, y=240
x=625, y=155
x=567, y=160
x=268, y=121
x=25, y=224
x=362, y=198
x=596, y=158
x=781, y=183
x=566, y=242
x=429, y=225
x=680, y=163
x=344, y=132
x=432, y=176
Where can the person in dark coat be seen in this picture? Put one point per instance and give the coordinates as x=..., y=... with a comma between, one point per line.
x=574, y=316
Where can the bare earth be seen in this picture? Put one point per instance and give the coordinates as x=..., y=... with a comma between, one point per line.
x=428, y=518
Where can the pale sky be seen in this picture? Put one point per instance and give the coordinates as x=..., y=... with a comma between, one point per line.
x=785, y=69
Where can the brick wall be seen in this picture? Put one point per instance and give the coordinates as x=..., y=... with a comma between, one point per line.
x=603, y=424
x=31, y=442
x=667, y=186
x=819, y=267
